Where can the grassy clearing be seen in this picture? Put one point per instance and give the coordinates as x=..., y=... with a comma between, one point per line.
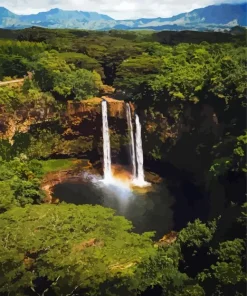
x=53, y=165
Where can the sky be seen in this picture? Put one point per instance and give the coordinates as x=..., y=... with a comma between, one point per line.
x=117, y=9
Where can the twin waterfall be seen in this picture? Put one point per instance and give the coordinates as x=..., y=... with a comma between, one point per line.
x=136, y=156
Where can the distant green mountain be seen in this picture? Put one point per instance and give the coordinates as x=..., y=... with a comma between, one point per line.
x=54, y=18
x=214, y=17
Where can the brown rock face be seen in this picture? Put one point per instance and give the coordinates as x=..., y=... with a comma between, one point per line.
x=74, y=119
x=92, y=106
x=21, y=120
x=84, y=107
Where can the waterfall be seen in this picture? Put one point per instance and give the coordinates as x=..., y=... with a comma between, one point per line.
x=139, y=152
x=132, y=142
x=106, y=144
x=140, y=181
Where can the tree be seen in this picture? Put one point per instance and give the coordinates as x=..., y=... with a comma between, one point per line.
x=86, y=84
x=67, y=248
x=43, y=144
x=227, y=275
x=19, y=183
x=13, y=65
x=53, y=74
x=5, y=150
x=81, y=84
x=48, y=68
x=134, y=73
x=82, y=61
x=232, y=155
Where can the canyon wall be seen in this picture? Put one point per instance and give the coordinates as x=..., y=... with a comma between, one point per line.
x=78, y=127
x=73, y=130
x=73, y=115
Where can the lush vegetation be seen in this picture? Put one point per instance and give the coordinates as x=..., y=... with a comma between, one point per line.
x=53, y=165
x=191, y=95
x=19, y=183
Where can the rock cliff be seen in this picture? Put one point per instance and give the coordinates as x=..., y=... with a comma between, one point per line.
x=76, y=112
x=79, y=127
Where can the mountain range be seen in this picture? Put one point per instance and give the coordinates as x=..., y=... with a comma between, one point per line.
x=214, y=17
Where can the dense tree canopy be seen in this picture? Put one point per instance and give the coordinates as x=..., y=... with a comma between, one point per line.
x=90, y=251
x=89, y=242
x=19, y=183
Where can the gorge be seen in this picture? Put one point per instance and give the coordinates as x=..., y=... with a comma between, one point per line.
x=100, y=116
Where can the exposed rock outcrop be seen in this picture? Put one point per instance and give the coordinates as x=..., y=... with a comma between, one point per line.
x=74, y=115
x=72, y=174
x=167, y=135
x=21, y=120
x=167, y=239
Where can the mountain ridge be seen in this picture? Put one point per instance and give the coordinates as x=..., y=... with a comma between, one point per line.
x=213, y=17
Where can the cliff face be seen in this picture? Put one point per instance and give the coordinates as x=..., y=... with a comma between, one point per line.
x=93, y=107
x=75, y=130
x=79, y=127
x=76, y=112
x=185, y=141
x=20, y=120
x=203, y=120
x=83, y=127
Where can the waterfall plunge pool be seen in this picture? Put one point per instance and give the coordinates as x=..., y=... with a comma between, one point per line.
x=148, y=209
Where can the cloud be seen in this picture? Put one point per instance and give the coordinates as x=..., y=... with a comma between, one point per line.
x=122, y=9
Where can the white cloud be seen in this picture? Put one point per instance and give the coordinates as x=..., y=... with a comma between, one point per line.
x=126, y=9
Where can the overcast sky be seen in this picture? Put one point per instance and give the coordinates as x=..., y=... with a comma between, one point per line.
x=118, y=9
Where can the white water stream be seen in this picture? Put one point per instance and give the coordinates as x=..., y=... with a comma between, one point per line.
x=132, y=141
x=106, y=144
x=140, y=180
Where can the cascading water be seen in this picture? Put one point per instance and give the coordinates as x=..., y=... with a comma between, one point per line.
x=139, y=181
x=106, y=144
x=138, y=171
x=132, y=142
